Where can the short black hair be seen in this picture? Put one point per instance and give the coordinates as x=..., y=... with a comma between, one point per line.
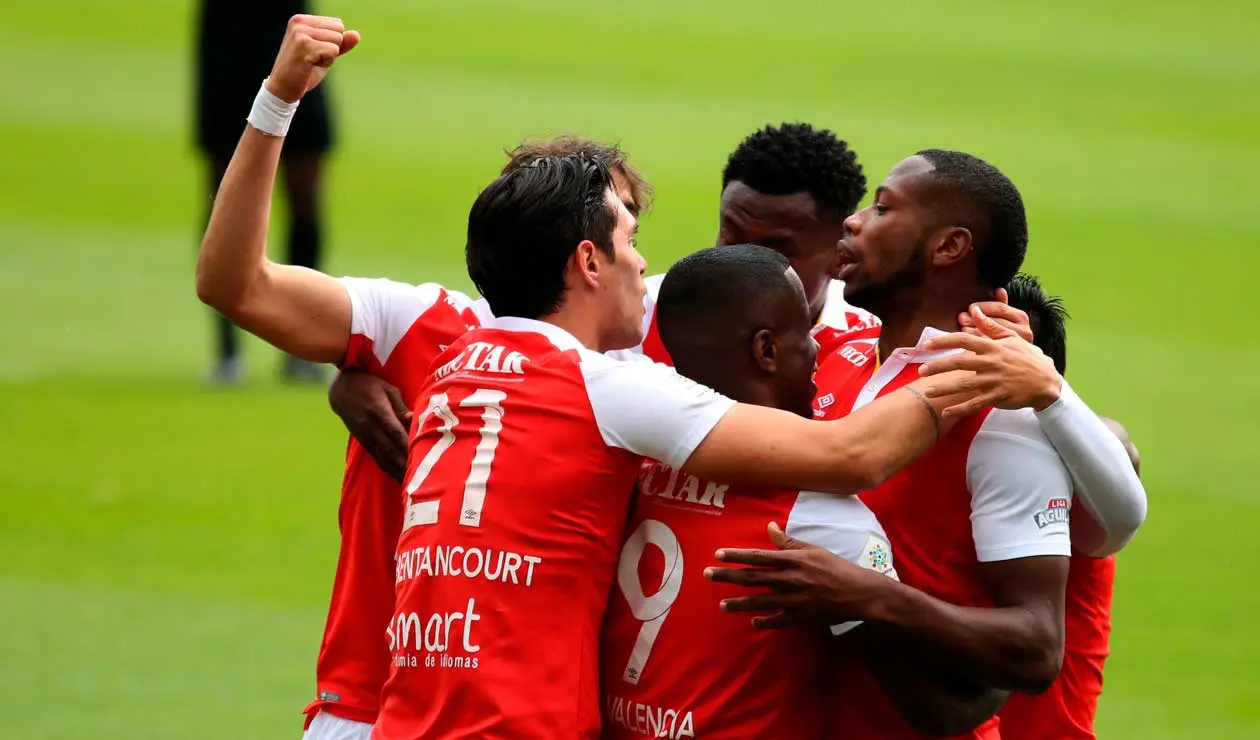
x=1003, y=242
x=1046, y=316
x=525, y=224
x=798, y=158
x=711, y=293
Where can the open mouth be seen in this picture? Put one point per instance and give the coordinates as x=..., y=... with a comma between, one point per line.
x=847, y=260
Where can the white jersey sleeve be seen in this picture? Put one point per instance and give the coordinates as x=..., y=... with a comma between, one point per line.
x=1105, y=482
x=843, y=525
x=383, y=311
x=649, y=409
x=1020, y=491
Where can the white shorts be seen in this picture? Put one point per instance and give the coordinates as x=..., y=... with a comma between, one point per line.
x=326, y=726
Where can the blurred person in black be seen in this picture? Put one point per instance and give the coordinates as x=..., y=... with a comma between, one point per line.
x=236, y=46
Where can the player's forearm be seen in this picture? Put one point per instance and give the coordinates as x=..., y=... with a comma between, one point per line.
x=1102, y=473
x=1004, y=648
x=301, y=311
x=233, y=257
x=872, y=444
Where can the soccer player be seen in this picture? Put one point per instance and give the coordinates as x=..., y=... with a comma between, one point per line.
x=673, y=665
x=353, y=659
x=789, y=187
x=980, y=523
x=667, y=652
x=1066, y=710
x=236, y=44
x=550, y=248
x=372, y=410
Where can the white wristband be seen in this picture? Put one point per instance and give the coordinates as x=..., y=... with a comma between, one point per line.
x=270, y=114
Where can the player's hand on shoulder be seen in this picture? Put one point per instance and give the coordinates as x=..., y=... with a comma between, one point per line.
x=1006, y=371
x=310, y=46
x=375, y=415
x=807, y=584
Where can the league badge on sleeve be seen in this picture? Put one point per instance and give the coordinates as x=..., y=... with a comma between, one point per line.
x=877, y=556
x=1056, y=512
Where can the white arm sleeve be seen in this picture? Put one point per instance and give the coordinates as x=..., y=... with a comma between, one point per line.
x=847, y=528
x=1020, y=491
x=649, y=409
x=1105, y=481
x=383, y=311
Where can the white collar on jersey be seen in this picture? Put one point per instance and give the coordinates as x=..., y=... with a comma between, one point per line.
x=917, y=354
x=897, y=362
x=559, y=337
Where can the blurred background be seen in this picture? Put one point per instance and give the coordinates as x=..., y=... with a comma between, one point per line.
x=167, y=548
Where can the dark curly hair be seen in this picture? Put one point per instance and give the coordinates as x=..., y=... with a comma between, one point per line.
x=798, y=158
x=1001, y=239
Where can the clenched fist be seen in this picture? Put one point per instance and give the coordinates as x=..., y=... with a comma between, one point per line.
x=311, y=44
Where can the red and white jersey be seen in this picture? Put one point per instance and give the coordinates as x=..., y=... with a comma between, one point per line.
x=674, y=665
x=524, y=456
x=992, y=489
x=397, y=330
x=837, y=320
x=1066, y=710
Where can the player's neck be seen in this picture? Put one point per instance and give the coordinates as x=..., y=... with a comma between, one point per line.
x=816, y=316
x=903, y=327
x=579, y=324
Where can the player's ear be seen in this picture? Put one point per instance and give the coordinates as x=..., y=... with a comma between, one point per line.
x=764, y=351
x=952, y=245
x=584, y=264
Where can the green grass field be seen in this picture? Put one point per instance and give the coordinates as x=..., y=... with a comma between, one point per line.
x=166, y=550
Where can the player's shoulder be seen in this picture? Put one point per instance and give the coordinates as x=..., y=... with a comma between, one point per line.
x=842, y=524
x=394, y=297
x=1019, y=424
x=1010, y=443
x=627, y=377
x=829, y=509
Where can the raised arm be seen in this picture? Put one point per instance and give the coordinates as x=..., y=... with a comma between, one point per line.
x=301, y=311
